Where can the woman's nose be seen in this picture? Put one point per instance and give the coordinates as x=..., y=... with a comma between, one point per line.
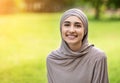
x=72, y=29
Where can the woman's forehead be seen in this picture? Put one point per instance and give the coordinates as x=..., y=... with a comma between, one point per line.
x=73, y=19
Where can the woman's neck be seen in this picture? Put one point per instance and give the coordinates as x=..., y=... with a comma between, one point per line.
x=75, y=47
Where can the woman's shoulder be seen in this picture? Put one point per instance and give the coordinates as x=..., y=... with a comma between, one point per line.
x=97, y=53
x=50, y=56
x=54, y=53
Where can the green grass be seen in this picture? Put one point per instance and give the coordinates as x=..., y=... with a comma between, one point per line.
x=27, y=39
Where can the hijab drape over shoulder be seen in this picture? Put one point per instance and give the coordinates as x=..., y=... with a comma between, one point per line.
x=88, y=65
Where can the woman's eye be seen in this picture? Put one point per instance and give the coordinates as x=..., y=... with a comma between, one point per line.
x=78, y=26
x=66, y=24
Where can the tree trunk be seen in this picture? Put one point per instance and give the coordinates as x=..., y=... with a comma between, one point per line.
x=97, y=9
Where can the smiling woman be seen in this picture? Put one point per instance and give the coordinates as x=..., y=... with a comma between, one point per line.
x=76, y=61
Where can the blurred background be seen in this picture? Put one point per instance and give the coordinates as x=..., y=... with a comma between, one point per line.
x=97, y=7
x=29, y=31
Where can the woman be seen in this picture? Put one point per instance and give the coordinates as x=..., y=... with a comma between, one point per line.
x=76, y=61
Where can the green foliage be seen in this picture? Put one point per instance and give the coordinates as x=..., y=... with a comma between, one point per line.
x=27, y=39
x=113, y=4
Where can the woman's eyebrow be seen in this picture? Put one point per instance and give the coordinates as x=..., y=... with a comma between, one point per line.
x=74, y=22
x=67, y=22
x=78, y=23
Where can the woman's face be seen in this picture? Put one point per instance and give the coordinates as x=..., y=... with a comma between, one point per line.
x=72, y=30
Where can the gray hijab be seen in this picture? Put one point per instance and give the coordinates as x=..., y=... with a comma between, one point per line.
x=87, y=65
x=85, y=45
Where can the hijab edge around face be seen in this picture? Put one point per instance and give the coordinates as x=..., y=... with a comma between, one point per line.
x=64, y=50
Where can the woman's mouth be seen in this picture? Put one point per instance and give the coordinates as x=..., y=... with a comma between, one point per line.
x=71, y=37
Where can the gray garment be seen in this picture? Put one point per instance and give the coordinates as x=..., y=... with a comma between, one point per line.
x=87, y=65
x=90, y=68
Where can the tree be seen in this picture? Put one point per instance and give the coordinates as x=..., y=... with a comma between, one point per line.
x=97, y=4
x=48, y=5
x=114, y=4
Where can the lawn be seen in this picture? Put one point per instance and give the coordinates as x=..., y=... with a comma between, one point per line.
x=27, y=39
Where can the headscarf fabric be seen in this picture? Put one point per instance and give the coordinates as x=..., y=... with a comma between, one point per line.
x=85, y=45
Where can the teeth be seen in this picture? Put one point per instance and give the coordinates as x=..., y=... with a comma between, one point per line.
x=72, y=36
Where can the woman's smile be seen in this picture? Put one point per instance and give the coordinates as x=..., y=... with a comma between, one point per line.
x=71, y=36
